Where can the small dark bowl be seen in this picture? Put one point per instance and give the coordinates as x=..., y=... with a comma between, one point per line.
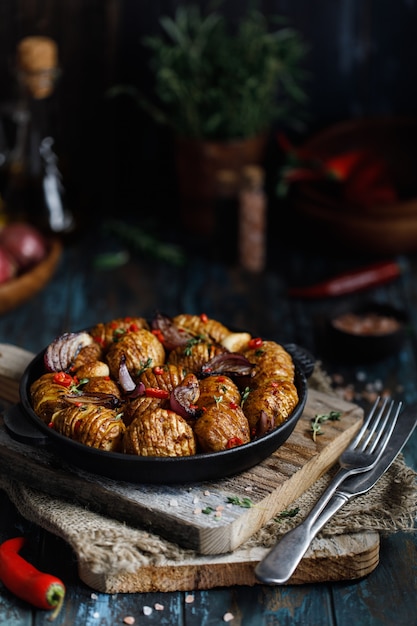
x=366, y=346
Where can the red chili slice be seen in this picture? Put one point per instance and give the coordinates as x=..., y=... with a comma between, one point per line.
x=154, y=392
x=64, y=379
x=233, y=442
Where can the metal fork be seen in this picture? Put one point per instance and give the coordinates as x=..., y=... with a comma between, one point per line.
x=361, y=455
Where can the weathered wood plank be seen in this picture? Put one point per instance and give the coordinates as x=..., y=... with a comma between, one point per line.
x=171, y=510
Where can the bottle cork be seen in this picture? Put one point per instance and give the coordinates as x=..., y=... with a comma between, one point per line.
x=37, y=61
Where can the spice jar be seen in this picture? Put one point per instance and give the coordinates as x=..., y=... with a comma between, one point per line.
x=252, y=219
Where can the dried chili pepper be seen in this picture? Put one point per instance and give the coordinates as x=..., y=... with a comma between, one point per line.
x=350, y=282
x=39, y=589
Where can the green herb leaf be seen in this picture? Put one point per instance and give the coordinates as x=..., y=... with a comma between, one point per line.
x=332, y=416
x=245, y=503
x=286, y=514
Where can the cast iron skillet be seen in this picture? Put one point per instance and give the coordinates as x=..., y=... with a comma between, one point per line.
x=23, y=424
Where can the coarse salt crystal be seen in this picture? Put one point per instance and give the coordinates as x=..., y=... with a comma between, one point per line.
x=196, y=499
x=207, y=493
x=159, y=607
x=96, y=615
x=173, y=502
x=189, y=599
x=197, y=511
x=227, y=617
x=147, y=610
x=94, y=596
x=129, y=619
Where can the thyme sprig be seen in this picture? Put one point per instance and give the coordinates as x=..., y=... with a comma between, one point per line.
x=319, y=419
x=287, y=513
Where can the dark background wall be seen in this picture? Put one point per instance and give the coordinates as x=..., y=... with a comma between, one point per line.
x=362, y=62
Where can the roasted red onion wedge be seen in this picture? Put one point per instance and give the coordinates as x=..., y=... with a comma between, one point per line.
x=265, y=424
x=126, y=381
x=61, y=353
x=107, y=400
x=183, y=398
x=229, y=363
x=171, y=336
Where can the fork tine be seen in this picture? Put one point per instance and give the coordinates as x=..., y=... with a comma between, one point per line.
x=371, y=431
x=365, y=424
x=385, y=432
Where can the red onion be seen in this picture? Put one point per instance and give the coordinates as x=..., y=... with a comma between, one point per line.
x=171, y=335
x=24, y=243
x=230, y=363
x=126, y=381
x=61, y=353
x=107, y=400
x=265, y=424
x=184, y=396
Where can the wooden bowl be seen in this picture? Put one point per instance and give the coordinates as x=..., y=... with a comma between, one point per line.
x=383, y=228
x=20, y=289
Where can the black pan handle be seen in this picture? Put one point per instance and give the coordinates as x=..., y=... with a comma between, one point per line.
x=20, y=428
x=304, y=359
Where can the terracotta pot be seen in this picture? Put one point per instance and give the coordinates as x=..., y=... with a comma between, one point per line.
x=198, y=163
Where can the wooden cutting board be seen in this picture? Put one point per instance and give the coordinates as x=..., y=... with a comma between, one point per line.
x=345, y=557
x=199, y=516
x=176, y=512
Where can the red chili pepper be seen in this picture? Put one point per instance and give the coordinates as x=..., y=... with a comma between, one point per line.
x=204, y=318
x=233, y=442
x=21, y=578
x=256, y=342
x=158, y=370
x=350, y=282
x=154, y=392
x=64, y=379
x=158, y=334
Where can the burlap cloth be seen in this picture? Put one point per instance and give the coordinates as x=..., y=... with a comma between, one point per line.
x=110, y=546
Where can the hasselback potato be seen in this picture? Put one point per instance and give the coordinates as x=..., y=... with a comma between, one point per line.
x=192, y=356
x=92, y=425
x=270, y=360
x=48, y=394
x=270, y=404
x=218, y=388
x=160, y=432
x=201, y=325
x=105, y=334
x=220, y=427
x=140, y=348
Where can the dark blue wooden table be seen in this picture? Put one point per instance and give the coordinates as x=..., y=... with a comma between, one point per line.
x=82, y=292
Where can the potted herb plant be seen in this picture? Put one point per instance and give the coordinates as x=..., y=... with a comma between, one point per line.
x=219, y=87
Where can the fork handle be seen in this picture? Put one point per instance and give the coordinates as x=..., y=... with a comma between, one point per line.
x=280, y=563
